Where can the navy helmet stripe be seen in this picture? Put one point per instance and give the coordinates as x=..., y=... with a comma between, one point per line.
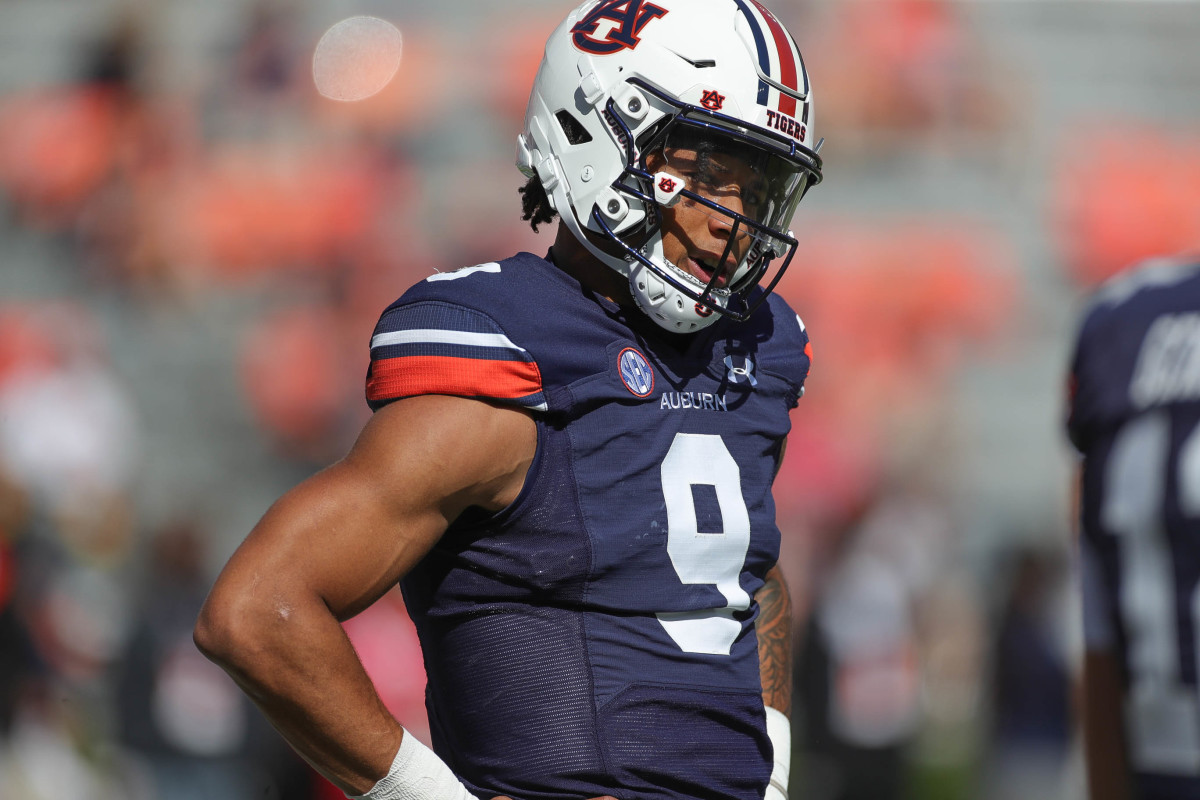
x=764, y=56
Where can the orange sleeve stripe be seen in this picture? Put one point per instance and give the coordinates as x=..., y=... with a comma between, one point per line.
x=406, y=376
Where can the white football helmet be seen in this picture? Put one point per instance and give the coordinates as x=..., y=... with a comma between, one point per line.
x=625, y=78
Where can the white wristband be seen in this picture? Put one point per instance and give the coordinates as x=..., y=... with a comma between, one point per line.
x=779, y=731
x=417, y=774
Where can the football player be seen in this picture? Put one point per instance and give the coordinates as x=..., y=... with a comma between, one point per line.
x=1135, y=417
x=570, y=460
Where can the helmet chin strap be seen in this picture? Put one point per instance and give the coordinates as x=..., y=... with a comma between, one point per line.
x=671, y=309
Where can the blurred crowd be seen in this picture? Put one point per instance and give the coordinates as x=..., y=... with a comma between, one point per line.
x=924, y=670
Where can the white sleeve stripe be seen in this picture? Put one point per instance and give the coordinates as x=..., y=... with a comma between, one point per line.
x=436, y=336
x=463, y=272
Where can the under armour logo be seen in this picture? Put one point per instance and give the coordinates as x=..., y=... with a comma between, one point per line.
x=740, y=374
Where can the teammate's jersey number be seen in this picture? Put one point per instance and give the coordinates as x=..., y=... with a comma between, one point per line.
x=1163, y=714
x=705, y=558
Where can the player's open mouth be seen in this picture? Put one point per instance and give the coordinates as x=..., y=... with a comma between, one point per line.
x=704, y=270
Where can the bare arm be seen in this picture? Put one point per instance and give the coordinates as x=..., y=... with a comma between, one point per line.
x=1104, y=728
x=329, y=548
x=774, y=630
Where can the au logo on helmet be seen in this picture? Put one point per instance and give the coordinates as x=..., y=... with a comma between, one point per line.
x=712, y=100
x=630, y=17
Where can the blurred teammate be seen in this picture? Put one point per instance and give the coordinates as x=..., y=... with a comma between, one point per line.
x=1135, y=416
x=569, y=466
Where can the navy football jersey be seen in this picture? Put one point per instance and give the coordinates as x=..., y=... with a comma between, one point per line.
x=1135, y=415
x=597, y=636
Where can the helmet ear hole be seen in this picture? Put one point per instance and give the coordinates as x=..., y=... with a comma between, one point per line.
x=572, y=128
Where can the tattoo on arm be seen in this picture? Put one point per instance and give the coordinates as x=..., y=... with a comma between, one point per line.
x=774, y=630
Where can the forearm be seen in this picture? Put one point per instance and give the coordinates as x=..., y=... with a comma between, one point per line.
x=774, y=631
x=299, y=668
x=1103, y=728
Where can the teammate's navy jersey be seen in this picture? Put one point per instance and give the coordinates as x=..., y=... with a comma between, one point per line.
x=597, y=636
x=1135, y=415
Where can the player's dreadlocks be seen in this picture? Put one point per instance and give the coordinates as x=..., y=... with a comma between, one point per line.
x=535, y=206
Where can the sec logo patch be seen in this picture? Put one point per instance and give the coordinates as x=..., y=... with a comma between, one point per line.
x=636, y=373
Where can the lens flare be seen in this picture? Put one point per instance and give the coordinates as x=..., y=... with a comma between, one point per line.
x=356, y=58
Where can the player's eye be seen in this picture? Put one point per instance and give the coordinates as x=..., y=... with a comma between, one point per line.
x=698, y=178
x=754, y=197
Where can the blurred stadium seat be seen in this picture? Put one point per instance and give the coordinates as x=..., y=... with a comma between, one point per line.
x=1123, y=193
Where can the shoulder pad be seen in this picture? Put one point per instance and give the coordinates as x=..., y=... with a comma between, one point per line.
x=437, y=340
